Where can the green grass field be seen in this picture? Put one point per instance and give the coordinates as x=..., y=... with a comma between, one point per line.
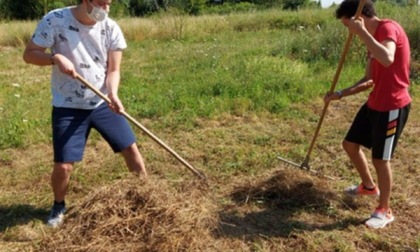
x=229, y=94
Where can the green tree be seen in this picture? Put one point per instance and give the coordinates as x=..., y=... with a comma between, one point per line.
x=144, y=7
x=193, y=7
x=30, y=9
x=21, y=10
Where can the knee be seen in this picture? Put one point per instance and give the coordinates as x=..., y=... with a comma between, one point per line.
x=63, y=169
x=380, y=164
x=349, y=147
x=130, y=151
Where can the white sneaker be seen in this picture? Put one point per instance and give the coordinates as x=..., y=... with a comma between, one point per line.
x=380, y=218
x=56, y=216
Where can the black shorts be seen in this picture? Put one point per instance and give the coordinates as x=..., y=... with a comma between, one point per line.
x=378, y=131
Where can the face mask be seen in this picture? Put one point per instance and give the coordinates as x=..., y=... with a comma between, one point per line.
x=98, y=14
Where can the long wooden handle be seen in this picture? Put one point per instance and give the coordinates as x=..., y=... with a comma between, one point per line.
x=333, y=85
x=144, y=129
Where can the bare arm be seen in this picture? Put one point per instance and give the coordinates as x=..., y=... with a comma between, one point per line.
x=384, y=51
x=37, y=55
x=361, y=85
x=113, y=80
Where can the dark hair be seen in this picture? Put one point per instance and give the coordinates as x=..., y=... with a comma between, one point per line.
x=348, y=9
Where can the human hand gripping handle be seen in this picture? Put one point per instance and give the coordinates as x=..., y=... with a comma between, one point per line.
x=64, y=64
x=144, y=129
x=357, y=26
x=115, y=104
x=337, y=95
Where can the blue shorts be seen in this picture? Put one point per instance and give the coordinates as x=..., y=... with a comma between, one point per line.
x=378, y=131
x=71, y=128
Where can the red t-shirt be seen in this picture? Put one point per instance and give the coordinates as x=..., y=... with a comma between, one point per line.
x=391, y=83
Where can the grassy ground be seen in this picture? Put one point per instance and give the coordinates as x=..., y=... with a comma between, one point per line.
x=229, y=100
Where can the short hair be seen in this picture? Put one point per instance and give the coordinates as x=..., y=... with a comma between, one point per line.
x=348, y=9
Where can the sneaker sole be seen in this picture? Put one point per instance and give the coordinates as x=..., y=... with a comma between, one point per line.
x=359, y=195
x=377, y=224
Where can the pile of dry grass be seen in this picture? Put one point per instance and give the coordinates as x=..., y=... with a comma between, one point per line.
x=160, y=215
x=279, y=204
x=285, y=189
x=136, y=216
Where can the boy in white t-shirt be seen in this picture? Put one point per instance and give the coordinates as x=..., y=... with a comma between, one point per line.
x=83, y=40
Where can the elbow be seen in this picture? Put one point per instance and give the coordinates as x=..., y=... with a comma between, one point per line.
x=26, y=58
x=388, y=61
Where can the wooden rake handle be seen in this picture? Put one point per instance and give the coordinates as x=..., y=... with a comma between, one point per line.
x=144, y=129
x=333, y=85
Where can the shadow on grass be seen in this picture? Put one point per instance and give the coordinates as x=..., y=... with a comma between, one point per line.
x=278, y=200
x=21, y=214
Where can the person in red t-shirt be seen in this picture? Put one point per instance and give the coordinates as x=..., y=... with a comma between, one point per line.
x=380, y=121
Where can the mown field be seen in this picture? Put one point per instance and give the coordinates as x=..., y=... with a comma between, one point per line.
x=229, y=94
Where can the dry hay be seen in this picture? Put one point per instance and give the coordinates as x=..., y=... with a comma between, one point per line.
x=285, y=190
x=161, y=215
x=138, y=216
x=276, y=207
x=273, y=211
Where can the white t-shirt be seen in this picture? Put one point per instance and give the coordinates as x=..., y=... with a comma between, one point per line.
x=87, y=47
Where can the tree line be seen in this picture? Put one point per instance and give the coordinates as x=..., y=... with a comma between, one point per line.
x=35, y=9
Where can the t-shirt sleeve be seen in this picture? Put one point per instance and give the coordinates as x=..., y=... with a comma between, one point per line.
x=387, y=31
x=43, y=35
x=117, y=39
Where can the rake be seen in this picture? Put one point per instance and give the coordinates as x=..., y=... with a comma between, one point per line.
x=144, y=129
x=305, y=164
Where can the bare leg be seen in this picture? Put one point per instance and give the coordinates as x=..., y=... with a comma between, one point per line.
x=383, y=170
x=358, y=158
x=134, y=160
x=60, y=180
